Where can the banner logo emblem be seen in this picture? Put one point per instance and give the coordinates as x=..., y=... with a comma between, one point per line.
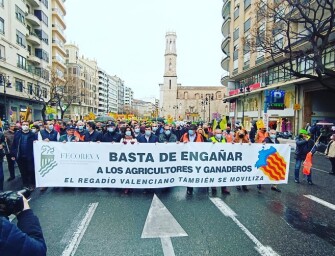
x=47, y=160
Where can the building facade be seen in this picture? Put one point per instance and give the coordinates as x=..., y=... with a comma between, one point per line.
x=86, y=71
x=31, y=52
x=128, y=100
x=193, y=103
x=252, y=77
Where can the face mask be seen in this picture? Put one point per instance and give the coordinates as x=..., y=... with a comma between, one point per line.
x=25, y=127
x=218, y=136
x=191, y=132
x=228, y=131
x=167, y=132
x=206, y=130
x=51, y=127
x=128, y=133
x=273, y=136
x=154, y=129
x=241, y=136
x=147, y=133
x=33, y=130
x=110, y=129
x=137, y=130
x=80, y=127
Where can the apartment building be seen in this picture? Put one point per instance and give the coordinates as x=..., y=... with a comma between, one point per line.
x=108, y=93
x=121, y=90
x=25, y=58
x=58, y=13
x=128, y=100
x=252, y=77
x=86, y=70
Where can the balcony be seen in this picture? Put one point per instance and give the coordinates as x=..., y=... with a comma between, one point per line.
x=34, y=60
x=226, y=9
x=32, y=19
x=225, y=63
x=59, y=61
x=34, y=3
x=57, y=12
x=59, y=45
x=59, y=30
x=33, y=39
x=60, y=4
x=225, y=43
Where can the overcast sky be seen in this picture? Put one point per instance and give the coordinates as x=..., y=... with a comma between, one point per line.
x=127, y=37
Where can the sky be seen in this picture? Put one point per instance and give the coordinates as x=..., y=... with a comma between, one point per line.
x=127, y=38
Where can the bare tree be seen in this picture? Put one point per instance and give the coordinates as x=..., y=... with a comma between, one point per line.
x=296, y=35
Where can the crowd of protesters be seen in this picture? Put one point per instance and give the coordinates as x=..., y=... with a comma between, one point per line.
x=16, y=143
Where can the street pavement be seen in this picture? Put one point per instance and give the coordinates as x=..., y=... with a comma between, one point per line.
x=108, y=222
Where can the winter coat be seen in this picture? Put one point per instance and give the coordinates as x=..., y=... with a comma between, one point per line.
x=303, y=147
x=25, y=239
x=15, y=150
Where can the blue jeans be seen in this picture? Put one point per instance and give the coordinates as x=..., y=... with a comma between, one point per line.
x=298, y=163
x=1, y=177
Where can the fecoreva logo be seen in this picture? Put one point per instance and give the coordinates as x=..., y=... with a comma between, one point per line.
x=271, y=163
x=47, y=160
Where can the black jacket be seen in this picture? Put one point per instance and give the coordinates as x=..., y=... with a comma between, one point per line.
x=15, y=150
x=25, y=239
x=94, y=137
x=303, y=147
x=111, y=137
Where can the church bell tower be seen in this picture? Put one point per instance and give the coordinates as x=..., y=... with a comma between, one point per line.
x=168, y=90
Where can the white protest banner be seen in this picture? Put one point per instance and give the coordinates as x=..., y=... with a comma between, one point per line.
x=85, y=164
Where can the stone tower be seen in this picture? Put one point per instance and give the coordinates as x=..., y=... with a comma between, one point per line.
x=168, y=90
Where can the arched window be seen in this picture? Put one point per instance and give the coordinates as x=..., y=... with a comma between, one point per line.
x=185, y=95
x=218, y=95
x=197, y=96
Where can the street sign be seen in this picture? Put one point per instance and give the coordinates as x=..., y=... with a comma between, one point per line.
x=296, y=107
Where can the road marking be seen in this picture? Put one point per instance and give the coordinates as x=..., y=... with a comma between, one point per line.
x=79, y=233
x=320, y=201
x=228, y=212
x=160, y=223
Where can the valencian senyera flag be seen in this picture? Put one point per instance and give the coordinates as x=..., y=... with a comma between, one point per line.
x=272, y=164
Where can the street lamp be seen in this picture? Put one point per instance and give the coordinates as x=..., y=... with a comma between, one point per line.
x=4, y=81
x=243, y=91
x=207, y=101
x=107, y=95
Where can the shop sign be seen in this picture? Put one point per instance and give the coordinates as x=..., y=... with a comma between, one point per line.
x=277, y=100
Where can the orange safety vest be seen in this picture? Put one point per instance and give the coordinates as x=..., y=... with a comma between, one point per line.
x=81, y=137
x=229, y=137
x=185, y=138
x=260, y=137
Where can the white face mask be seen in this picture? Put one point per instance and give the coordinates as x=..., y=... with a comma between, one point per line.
x=25, y=128
x=218, y=136
x=137, y=130
x=51, y=127
x=33, y=130
x=110, y=129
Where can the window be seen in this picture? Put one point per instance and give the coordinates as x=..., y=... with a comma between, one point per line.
x=21, y=39
x=20, y=16
x=2, y=26
x=42, y=54
x=21, y=61
x=2, y=52
x=37, y=90
x=42, y=35
x=170, y=84
x=44, y=93
x=41, y=16
x=247, y=4
x=247, y=24
x=236, y=12
x=236, y=34
x=30, y=88
x=45, y=2
x=18, y=85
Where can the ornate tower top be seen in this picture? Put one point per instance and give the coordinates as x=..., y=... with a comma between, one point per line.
x=170, y=54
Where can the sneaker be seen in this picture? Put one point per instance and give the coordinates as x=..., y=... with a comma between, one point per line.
x=225, y=191
x=245, y=189
x=259, y=187
x=214, y=191
x=310, y=182
x=275, y=189
x=238, y=188
x=296, y=181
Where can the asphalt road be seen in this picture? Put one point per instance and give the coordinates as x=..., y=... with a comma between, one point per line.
x=108, y=222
